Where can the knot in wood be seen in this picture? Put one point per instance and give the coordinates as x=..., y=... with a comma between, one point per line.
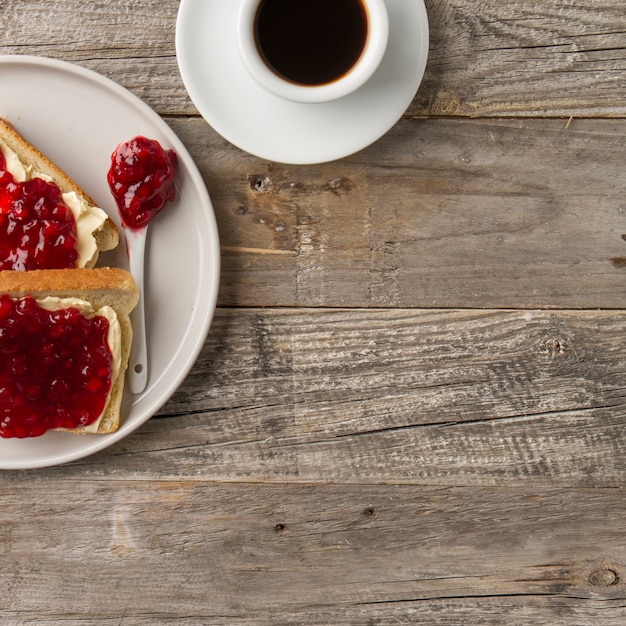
x=340, y=185
x=260, y=183
x=604, y=577
x=552, y=347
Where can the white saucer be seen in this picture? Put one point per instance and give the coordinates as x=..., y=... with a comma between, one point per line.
x=279, y=130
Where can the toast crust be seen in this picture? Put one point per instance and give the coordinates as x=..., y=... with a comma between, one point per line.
x=112, y=286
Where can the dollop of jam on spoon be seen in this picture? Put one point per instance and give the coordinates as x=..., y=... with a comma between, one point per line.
x=141, y=179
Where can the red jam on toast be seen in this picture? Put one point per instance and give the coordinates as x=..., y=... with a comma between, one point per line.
x=55, y=368
x=37, y=229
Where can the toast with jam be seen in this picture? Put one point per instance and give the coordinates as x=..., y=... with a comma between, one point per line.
x=65, y=337
x=46, y=220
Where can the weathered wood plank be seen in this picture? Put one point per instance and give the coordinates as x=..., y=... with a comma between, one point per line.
x=421, y=397
x=524, y=58
x=199, y=552
x=441, y=213
x=490, y=58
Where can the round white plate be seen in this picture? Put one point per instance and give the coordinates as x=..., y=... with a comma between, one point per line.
x=77, y=117
x=279, y=130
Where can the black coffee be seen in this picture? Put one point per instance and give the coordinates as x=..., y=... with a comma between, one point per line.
x=311, y=42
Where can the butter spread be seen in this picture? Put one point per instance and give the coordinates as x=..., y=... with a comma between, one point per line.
x=114, y=337
x=88, y=218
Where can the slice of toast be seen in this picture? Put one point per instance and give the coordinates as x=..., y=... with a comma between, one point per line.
x=113, y=287
x=106, y=234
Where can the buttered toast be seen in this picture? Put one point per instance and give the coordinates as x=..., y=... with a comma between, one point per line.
x=31, y=375
x=95, y=231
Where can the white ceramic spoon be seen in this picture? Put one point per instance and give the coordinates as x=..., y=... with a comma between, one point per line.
x=138, y=362
x=132, y=171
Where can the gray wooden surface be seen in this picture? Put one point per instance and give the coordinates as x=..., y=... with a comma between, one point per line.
x=411, y=405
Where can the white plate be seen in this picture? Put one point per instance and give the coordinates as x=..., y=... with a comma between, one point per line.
x=77, y=118
x=267, y=126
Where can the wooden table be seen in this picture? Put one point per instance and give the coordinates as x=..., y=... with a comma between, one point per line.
x=411, y=405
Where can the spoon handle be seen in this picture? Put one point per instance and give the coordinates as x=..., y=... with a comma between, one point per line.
x=138, y=362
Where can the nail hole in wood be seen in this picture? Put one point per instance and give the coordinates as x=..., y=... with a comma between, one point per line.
x=259, y=182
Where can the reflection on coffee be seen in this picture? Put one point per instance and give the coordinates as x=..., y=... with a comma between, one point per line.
x=311, y=42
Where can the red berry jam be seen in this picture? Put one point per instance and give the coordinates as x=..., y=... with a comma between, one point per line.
x=37, y=229
x=55, y=368
x=141, y=179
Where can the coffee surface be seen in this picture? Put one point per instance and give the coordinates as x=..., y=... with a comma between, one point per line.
x=311, y=42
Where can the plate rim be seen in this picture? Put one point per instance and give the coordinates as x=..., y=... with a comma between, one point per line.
x=209, y=277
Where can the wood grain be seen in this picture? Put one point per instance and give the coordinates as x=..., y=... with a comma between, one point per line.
x=493, y=58
x=442, y=213
x=524, y=58
x=522, y=398
x=205, y=553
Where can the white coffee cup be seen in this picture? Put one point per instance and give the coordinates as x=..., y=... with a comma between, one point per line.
x=368, y=52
